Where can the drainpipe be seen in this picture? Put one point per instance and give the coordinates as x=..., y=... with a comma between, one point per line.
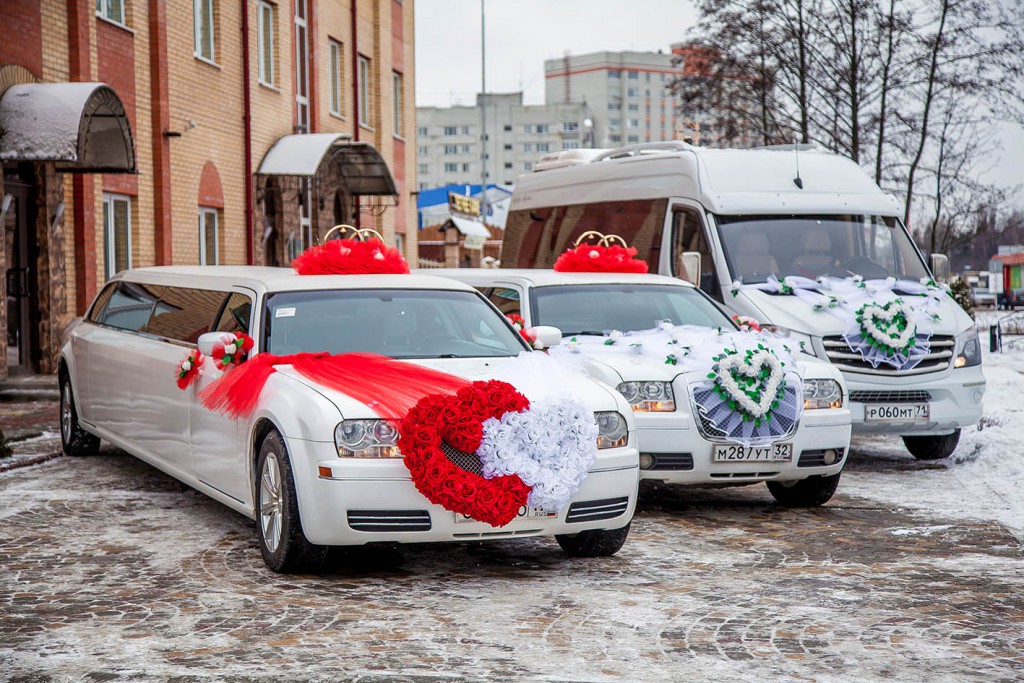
x=247, y=126
x=355, y=90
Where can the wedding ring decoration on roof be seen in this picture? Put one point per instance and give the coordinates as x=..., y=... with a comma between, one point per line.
x=604, y=256
x=745, y=384
x=365, y=253
x=886, y=321
x=482, y=449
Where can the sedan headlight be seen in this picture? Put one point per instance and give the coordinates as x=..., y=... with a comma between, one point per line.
x=612, y=431
x=649, y=397
x=970, y=352
x=366, y=439
x=822, y=393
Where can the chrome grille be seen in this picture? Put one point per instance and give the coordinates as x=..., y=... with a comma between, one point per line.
x=843, y=357
x=468, y=462
x=593, y=510
x=890, y=396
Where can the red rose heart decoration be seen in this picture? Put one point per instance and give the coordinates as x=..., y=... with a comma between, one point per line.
x=458, y=420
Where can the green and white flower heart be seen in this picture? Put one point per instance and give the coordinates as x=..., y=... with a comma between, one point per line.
x=751, y=382
x=888, y=327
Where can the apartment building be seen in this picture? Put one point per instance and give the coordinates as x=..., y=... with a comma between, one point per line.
x=144, y=132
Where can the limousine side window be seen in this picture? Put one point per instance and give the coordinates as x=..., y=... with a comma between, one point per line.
x=129, y=306
x=235, y=315
x=184, y=313
x=99, y=304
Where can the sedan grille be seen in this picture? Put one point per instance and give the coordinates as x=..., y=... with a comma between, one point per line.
x=389, y=520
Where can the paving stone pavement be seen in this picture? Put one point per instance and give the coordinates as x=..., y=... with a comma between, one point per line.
x=110, y=570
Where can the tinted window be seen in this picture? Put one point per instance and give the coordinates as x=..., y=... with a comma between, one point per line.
x=597, y=309
x=99, y=305
x=505, y=298
x=129, y=306
x=184, y=313
x=236, y=314
x=396, y=323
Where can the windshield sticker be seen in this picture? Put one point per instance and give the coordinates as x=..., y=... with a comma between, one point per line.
x=285, y=312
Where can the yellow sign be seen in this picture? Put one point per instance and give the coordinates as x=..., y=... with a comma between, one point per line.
x=468, y=206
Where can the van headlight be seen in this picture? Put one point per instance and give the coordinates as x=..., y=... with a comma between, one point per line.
x=366, y=439
x=970, y=351
x=612, y=431
x=649, y=397
x=822, y=393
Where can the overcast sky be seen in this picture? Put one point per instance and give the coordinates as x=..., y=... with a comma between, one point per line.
x=521, y=34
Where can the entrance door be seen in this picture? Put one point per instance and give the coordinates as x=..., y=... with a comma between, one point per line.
x=20, y=278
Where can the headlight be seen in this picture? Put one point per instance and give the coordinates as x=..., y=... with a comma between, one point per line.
x=366, y=439
x=798, y=341
x=970, y=353
x=822, y=393
x=611, y=430
x=649, y=397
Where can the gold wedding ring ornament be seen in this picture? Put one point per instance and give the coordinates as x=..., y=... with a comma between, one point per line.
x=361, y=234
x=602, y=239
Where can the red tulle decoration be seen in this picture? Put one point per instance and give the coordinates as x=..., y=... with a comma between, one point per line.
x=390, y=387
x=351, y=257
x=188, y=369
x=520, y=325
x=597, y=258
x=458, y=420
x=232, y=349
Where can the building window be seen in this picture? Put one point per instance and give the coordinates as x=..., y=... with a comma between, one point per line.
x=528, y=147
x=507, y=128
x=465, y=130
x=571, y=144
x=301, y=67
x=614, y=73
x=633, y=75
x=507, y=147
x=614, y=122
x=465, y=149
x=451, y=130
x=209, y=254
x=633, y=107
x=633, y=123
x=465, y=168
x=365, y=110
x=632, y=92
x=451, y=149
x=632, y=138
x=117, y=233
x=528, y=166
x=422, y=150
x=204, y=30
x=542, y=147
x=570, y=126
x=112, y=10
x=396, y=103
x=508, y=164
x=451, y=168
x=336, y=57
x=615, y=138
x=614, y=106
x=422, y=130
x=265, y=42
x=423, y=170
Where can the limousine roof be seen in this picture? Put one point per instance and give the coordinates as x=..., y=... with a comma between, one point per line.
x=264, y=278
x=543, y=277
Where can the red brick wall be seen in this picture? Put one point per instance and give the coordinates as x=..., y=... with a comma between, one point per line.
x=115, y=48
x=21, y=37
x=210, y=192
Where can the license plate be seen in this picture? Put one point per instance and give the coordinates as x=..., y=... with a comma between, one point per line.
x=525, y=512
x=736, y=453
x=896, y=412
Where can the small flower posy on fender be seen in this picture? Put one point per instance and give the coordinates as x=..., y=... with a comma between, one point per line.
x=232, y=349
x=189, y=369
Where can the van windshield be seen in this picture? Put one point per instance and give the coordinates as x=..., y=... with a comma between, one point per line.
x=810, y=246
x=598, y=309
x=393, y=322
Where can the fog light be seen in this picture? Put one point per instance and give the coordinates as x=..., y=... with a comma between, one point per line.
x=646, y=461
x=830, y=457
x=977, y=395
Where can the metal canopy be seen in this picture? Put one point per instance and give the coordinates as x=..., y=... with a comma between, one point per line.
x=80, y=126
x=359, y=163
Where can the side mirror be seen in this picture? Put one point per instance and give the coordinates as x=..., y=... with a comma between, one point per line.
x=940, y=267
x=688, y=267
x=207, y=341
x=545, y=335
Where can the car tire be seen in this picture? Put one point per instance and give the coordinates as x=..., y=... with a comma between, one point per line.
x=932, y=447
x=806, y=493
x=278, y=526
x=594, y=542
x=74, y=440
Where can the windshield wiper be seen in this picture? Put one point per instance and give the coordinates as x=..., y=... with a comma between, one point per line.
x=584, y=333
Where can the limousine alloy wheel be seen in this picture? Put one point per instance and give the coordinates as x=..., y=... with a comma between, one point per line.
x=73, y=439
x=283, y=545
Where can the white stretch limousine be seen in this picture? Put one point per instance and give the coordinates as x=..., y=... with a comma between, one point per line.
x=311, y=464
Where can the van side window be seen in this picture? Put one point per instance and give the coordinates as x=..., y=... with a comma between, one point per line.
x=129, y=306
x=235, y=315
x=99, y=304
x=184, y=313
x=688, y=235
x=506, y=299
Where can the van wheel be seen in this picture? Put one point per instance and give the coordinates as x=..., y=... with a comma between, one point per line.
x=593, y=543
x=283, y=545
x=73, y=439
x=806, y=493
x=932, y=447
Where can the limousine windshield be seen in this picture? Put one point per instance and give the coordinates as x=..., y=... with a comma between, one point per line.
x=393, y=322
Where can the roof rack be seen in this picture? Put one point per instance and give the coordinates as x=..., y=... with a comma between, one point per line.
x=569, y=157
x=643, y=148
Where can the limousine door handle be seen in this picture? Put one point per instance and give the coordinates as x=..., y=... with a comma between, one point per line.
x=17, y=282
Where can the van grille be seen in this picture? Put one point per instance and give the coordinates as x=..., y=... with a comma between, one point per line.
x=845, y=358
x=890, y=396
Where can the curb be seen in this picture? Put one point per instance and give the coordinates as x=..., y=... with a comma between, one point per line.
x=26, y=462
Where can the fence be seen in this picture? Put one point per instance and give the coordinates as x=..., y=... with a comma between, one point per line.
x=1011, y=326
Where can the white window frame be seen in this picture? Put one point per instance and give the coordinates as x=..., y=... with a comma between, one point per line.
x=265, y=50
x=301, y=66
x=105, y=9
x=365, y=112
x=205, y=211
x=202, y=10
x=336, y=57
x=396, y=103
x=109, y=234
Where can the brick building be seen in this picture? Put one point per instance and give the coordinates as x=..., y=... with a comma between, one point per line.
x=151, y=132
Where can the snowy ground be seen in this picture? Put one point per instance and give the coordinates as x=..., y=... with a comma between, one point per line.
x=984, y=479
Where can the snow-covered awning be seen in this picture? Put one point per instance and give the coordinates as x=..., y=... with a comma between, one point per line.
x=80, y=126
x=359, y=163
x=470, y=228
